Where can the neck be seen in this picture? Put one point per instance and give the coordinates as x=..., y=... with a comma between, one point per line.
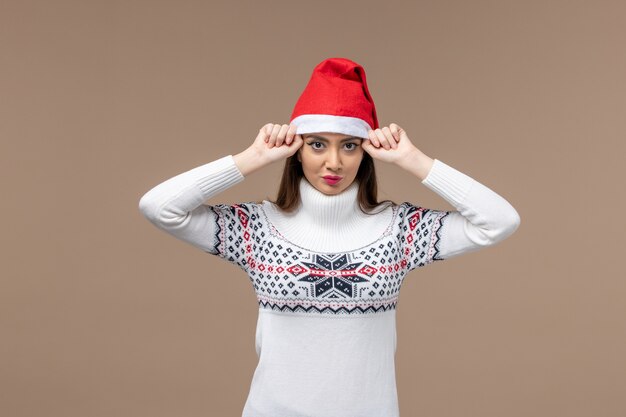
x=327, y=223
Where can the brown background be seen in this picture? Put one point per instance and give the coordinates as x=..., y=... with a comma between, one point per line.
x=101, y=314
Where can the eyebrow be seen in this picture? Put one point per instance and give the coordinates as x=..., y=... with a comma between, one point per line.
x=326, y=140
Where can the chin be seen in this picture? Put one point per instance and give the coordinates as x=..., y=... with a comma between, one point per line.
x=330, y=190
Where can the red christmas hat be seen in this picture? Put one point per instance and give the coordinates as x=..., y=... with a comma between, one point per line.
x=336, y=100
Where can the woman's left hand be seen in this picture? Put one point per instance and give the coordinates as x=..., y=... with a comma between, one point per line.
x=389, y=144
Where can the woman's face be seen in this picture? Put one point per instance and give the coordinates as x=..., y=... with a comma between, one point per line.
x=331, y=155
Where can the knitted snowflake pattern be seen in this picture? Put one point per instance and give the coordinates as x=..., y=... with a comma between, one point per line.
x=290, y=278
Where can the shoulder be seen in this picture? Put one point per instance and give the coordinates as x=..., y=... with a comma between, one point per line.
x=412, y=208
x=248, y=206
x=237, y=212
x=406, y=209
x=412, y=214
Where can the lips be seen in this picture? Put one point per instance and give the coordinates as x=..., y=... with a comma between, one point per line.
x=332, y=179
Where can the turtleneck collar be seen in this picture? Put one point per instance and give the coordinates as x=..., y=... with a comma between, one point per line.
x=329, y=212
x=327, y=223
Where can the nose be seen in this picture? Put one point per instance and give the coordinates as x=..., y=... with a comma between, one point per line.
x=333, y=160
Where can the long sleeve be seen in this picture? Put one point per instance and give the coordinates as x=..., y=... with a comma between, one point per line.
x=176, y=207
x=482, y=218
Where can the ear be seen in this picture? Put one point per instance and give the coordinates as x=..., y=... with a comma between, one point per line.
x=298, y=154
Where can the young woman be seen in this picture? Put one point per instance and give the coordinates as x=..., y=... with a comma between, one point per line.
x=327, y=259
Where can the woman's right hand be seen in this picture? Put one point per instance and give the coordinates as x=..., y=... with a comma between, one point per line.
x=276, y=142
x=273, y=143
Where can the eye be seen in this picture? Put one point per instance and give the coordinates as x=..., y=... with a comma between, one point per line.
x=354, y=145
x=312, y=144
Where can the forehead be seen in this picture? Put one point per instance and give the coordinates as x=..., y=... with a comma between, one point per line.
x=330, y=137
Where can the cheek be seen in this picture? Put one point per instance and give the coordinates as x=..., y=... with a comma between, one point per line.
x=306, y=162
x=356, y=161
x=309, y=158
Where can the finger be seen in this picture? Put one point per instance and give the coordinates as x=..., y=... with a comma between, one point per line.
x=395, y=131
x=270, y=128
x=298, y=141
x=373, y=138
x=280, y=139
x=273, y=135
x=265, y=131
x=368, y=147
x=382, y=139
x=390, y=138
x=291, y=133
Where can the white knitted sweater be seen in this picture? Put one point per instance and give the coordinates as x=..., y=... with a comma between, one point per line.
x=327, y=278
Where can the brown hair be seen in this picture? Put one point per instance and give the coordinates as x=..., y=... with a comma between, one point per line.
x=289, y=190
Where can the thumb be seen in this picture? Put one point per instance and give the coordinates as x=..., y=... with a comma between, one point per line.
x=367, y=146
